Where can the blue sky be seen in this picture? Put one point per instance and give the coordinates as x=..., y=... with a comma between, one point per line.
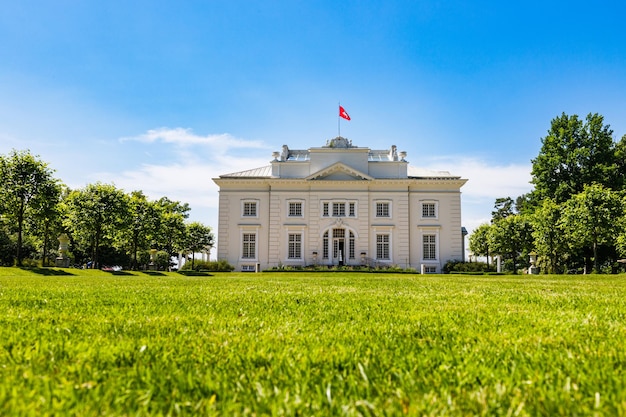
x=163, y=96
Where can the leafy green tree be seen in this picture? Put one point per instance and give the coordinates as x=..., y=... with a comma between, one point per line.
x=511, y=237
x=550, y=242
x=198, y=238
x=142, y=219
x=592, y=218
x=620, y=164
x=574, y=154
x=479, y=241
x=503, y=208
x=46, y=220
x=26, y=183
x=169, y=231
x=94, y=215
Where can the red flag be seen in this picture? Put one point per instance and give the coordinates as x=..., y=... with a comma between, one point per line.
x=343, y=113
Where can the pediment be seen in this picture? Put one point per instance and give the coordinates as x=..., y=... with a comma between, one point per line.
x=339, y=172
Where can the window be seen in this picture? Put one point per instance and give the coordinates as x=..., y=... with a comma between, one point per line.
x=295, y=209
x=248, y=250
x=430, y=269
x=339, y=209
x=248, y=268
x=382, y=209
x=325, y=245
x=382, y=246
x=351, y=246
x=249, y=209
x=430, y=247
x=295, y=246
x=429, y=210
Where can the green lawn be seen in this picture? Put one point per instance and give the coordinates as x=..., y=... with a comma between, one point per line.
x=86, y=343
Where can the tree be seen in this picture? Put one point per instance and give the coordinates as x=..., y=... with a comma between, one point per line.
x=46, y=221
x=143, y=216
x=503, y=208
x=479, y=241
x=550, y=242
x=26, y=183
x=94, y=215
x=574, y=154
x=198, y=238
x=592, y=218
x=169, y=230
x=511, y=237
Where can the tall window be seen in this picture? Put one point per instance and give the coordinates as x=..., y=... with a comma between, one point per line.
x=248, y=249
x=382, y=246
x=249, y=209
x=339, y=209
x=351, y=246
x=351, y=209
x=382, y=209
x=325, y=209
x=295, y=209
x=430, y=247
x=325, y=245
x=295, y=246
x=428, y=210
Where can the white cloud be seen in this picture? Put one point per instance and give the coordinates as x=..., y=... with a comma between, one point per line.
x=185, y=137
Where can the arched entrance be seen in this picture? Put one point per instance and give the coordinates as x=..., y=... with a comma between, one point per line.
x=338, y=246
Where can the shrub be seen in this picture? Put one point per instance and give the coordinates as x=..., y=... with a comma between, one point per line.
x=459, y=266
x=212, y=266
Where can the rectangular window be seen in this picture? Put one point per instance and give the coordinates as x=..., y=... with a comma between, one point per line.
x=351, y=246
x=428, y=210
x=382, y=246
x=339, y=209
x=295, y=209
x=249, y=209
x=325, y=246
x=382, y=209
x=295, y=246
x=430, y=269
x=351, y=210
x=248, y=250
x=430, y=247
x=325, y=209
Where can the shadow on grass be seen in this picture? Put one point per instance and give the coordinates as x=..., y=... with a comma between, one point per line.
x=119, y=273
x=195, y=273
x=153, y=273
x=47, y=271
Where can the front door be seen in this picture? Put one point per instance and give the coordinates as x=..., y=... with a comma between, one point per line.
x=339, y=253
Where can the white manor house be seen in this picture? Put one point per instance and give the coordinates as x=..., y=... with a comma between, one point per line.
x=340, y=204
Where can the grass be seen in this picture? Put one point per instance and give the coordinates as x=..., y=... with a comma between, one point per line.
x=93, y=343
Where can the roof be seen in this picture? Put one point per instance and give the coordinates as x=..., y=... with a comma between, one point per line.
x=266, y=172
x=416, y=172
x=262, y=172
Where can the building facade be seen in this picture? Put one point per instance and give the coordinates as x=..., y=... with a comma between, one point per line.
x=340, y=204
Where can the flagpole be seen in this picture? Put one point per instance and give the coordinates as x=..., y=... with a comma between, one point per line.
x=339, y=121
